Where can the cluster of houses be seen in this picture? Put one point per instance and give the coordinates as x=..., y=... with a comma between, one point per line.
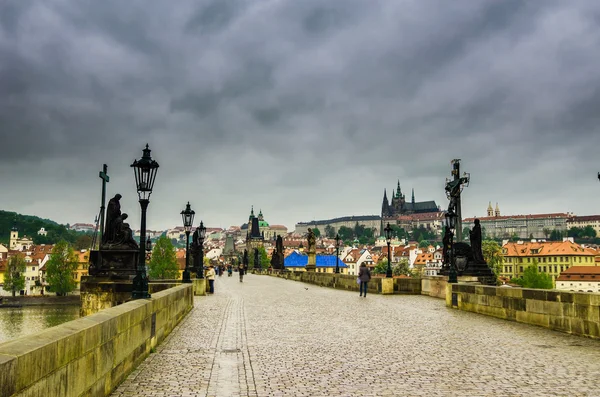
x=573, y=267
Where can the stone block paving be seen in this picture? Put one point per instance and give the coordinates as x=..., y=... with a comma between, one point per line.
x=274, y=337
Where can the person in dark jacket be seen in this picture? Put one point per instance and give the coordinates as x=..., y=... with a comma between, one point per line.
x=364, y=275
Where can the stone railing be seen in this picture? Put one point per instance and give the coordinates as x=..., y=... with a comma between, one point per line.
x=91, y=355
x=576, y=313
x=343, y=281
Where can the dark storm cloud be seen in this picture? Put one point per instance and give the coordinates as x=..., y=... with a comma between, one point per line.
x=284, y=100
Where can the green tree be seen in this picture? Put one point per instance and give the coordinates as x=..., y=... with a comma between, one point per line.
x=556, y=235
x=589, y=232
x=14, y=277
x=533, y=278
x=60, y=269
x=346, y=234
x=329, y=231
x=83, y=242
x=317, y=232
x=492, y=253
x=401, y=268
x=546, y=232
x=424, y=244
x=381, y=266
x=575, y=232
x=262, y=257
x=163, y=264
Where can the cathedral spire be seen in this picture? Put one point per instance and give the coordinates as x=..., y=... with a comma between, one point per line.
x=398, y=190
x=413, y=195
x=490, y=210
x=385, y=206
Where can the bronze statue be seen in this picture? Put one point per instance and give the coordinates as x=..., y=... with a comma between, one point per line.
x=475, y=237
x=113, y=211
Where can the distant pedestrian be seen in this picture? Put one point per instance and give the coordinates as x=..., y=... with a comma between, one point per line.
x=210, y=275
x=364, y=275
x=241, y=270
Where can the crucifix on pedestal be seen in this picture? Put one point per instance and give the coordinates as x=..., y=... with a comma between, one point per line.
x=105, y=178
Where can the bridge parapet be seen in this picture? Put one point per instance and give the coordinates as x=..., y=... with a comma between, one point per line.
x=575, y=313
x=91, y=355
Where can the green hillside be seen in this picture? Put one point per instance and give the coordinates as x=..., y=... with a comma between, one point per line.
x=28, y=225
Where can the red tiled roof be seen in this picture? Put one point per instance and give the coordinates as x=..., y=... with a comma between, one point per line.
x=580, y=273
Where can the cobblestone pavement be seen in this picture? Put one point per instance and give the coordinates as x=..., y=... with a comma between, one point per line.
x=274, y=337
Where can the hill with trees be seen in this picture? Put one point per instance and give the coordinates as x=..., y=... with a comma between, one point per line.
x=29, y=225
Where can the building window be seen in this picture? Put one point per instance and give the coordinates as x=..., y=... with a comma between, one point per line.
x=521, y=269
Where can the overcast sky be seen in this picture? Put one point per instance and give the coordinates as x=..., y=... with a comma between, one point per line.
x=305, y=109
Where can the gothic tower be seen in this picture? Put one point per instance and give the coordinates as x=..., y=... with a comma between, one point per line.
x=490, y=210
x=497, y=213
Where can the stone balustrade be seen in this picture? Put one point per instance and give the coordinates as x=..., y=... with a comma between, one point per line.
x=576, y=313
x=91, y=355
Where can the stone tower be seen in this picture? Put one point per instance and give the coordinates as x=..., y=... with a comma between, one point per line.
x=14, y=236
x=497, y=212
x=490, y=210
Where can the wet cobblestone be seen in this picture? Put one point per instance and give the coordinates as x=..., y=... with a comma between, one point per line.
x=274, y=337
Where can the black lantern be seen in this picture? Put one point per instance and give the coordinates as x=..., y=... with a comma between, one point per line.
x=187, y=216
x=144, y=171
x=337, y=253
x=148, y=245
x=388, y=237
x=201, y=234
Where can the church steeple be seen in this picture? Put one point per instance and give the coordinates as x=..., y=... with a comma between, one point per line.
x=251, y=214
x=497, y=212
x=385, y=206
x=490, y=210
x=413, y=196
x=398, y=190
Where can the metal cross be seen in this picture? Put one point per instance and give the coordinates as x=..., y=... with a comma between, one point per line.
x=105, y=178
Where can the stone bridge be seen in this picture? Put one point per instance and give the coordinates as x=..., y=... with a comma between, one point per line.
x=274, y=337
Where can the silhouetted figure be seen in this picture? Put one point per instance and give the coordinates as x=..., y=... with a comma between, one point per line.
x=475, y=236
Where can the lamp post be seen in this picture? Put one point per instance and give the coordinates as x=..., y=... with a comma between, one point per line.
x=450, y=226
x=337, y=253
x=148, y=249
x=388, y=237
x=144, y=171
x=188, y=219
x=201, y=234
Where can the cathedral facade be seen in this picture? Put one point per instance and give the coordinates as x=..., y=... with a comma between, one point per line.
x=398, y=206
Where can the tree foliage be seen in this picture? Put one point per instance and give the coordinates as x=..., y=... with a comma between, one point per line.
x=556, y=235
x=262, y=257
x=60, y=269
x=587, y=232
x=329, y=231
x=317, y=232
x=346, y=234
x=533, y=278
x=163, y=264
x=14, y=277
x=424, y=244
x=29, y=225
x=492, y=253
x=84, y=241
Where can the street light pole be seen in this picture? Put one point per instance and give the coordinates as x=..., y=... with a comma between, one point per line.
x=201, y=235
x=388, y=237
x=337, y=253
x=188, y=220
x=144, y=171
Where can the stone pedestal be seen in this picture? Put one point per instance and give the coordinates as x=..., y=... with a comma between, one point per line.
x=311, y=266
x=99, y=293
x=199, y=286
x=387, y=286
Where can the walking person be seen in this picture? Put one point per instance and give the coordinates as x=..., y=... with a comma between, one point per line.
x=241, y=270
x=210, y=276
x=364, y=275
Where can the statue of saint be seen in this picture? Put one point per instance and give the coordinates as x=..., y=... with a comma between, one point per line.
x=124, y=234
x=475, y=237
x=113, y=211
x=312, y=242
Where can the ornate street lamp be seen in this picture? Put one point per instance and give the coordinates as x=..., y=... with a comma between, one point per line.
x=201, y=234
x=388, y=237
x=337, y=253
x=144, y=171
x=188, y=219
x=450, y=226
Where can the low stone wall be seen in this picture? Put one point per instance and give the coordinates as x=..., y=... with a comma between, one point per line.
x=347, y=282
x=576, y=313
x=92, y=355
